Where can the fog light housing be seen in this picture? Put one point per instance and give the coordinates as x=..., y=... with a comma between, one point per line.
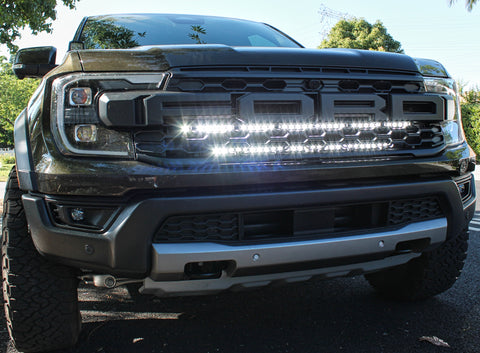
x=465, y=188
x=78, y=216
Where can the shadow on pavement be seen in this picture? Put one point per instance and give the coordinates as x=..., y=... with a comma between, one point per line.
x=342, y=315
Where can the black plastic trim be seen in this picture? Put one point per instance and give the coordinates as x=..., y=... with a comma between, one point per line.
x=24, y=163
x=400, y=100
x=125, y=248
x=78, y=33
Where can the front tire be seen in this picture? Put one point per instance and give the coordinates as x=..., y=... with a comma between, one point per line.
x=423, y=277
x=41, y=301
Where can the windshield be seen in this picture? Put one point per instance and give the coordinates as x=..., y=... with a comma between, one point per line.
x=128, y=31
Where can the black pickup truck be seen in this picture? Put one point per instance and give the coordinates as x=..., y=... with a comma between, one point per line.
x=189, y=155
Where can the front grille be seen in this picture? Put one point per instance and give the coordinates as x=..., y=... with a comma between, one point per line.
x=280, y=144
x=281, y=114
x=294, y=224
x=214, y=227
x=406, y=211
x=291, y=79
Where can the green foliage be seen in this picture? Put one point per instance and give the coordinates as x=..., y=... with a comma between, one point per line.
x=196, y=32
x=106, y=34
x=471, y=97
x=19, y=14
x=468, y=95
x=357, y=33
x=468, y=3
x=471, y=125
x=4, y=171
x=7, y=159
x=14, y=98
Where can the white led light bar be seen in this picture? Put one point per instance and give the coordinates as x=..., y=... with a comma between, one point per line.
x=210, y=128
x=397, y=124
x=224, y=128
x=225, y=151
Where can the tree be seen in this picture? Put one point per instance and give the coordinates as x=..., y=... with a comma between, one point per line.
x=468, y=3
x=106, y=34
x=468, y=95
x=196, y=32
x=356, y=33
x=14, y=98
x=18, y=14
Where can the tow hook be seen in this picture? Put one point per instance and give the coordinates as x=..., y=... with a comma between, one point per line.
x=107, y=281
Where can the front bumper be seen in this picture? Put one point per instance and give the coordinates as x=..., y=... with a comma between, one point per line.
x=169, y=260
x=125, y=249
x=261, y=265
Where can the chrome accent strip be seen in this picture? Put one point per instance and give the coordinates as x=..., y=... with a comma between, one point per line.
x=171, y=259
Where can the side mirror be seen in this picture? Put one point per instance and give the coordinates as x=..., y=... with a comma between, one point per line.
x=34, y=62
x=75, y=45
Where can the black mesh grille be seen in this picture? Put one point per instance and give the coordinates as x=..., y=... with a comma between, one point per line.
x=405, y=211
x=415, y=137
x=222, y=227
x=324, y=222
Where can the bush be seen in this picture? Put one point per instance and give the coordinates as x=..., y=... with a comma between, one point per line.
x=471, y=125
x=7, y=159
x=471, y=97
x=13, y=99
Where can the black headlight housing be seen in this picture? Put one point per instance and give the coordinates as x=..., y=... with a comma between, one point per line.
x=76, y=126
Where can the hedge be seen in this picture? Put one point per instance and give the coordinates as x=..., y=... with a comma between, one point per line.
x=471, y=125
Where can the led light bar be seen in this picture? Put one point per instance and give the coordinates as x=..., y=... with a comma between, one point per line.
x=397, y=124
x=225, y=151
x=223, y=128
x=208, y=128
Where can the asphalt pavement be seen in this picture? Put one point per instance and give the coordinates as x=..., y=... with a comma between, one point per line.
x=339, y=315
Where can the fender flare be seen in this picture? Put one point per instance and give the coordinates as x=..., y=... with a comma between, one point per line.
x=23, y=157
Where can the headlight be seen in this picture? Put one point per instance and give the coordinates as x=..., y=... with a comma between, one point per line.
x=75, y=122
x=452, y=126
x=438, y=81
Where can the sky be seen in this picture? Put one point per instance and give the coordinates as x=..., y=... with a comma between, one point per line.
x=425, y=28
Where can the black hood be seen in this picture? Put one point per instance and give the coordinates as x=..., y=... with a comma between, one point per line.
x=162, y=58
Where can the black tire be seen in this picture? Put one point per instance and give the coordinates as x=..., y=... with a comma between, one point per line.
x=430, y=274
x=41, y=300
